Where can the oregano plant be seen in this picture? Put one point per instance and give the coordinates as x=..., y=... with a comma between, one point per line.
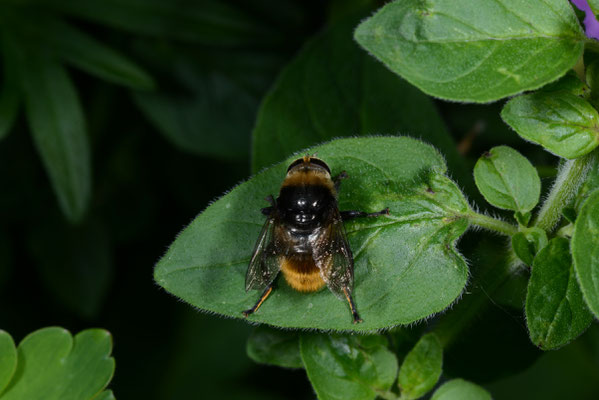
x=410, y=275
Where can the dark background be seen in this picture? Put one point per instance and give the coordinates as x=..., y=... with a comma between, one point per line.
x=147, y=186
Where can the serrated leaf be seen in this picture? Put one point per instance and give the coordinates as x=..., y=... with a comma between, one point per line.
x=452, y=50
x=459, y=389
x=421, y=368
x=56, y=120
x=566, y=125
x=527, y=243
x=93, y=57
x=585, y=251
x=8, y=359
x=274, y=346
x=555, y=311
x=347, y=366
x=54, y=365
x=507, y=179
x=406, y=265
x=333, y=89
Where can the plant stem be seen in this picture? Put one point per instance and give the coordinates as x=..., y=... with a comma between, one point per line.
x=569, y=178
x=492, y=224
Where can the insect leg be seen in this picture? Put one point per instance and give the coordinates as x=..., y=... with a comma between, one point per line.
x=263, y=297
x=268, y=210
x=337, y=180
x=352, y=306
x=347, y=215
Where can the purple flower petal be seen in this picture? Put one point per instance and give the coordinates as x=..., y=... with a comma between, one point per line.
x=590, y=22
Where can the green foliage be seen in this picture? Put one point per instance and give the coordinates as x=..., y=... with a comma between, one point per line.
x=56, y=120
x=274, y=346
x=8, y=359
x=84, y=52
x=507, y=179
x=51, y=364
x=352, y=367
x=421, y=368
x=333, y=89
x=458, y=52
x=527, y=243
x=564, y=124
x=555, y=311
x=406, y=267
x=585, y=251
x=459, y=389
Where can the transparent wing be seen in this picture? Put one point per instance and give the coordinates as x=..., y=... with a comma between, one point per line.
x=333, y=257
x=264, y=264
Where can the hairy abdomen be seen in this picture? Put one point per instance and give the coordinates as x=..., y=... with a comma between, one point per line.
x=301, y=273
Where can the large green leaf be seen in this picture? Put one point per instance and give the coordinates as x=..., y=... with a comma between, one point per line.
x=555, y=311
x=54, y=365
x=105, y=395
x=406, y=265
x=421, y=368
x=333, y=89
x=8, y=359
x=56, y=119
x=564, y=124
x=507, y=179
x=348, y=367
x=459, y=389
x=457, y=51
x=275, y=346
x=84, y=52
x=585, y=251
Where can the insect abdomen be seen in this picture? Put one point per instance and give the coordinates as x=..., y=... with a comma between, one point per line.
x=301, y=273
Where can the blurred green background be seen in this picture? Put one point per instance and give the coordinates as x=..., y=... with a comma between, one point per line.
x=168, y=133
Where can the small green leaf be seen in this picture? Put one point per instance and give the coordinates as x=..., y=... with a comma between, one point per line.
x=56, y=119
x=523, y=218
x=585, y=251
x=566, y=125
x=459, y=389
x=9, y=88
x=8, y=359
x=54, y=365
x=93, y=57
x=348, y=367
x=570, y=83
x=406, y=265
x=333, y=89
x=274, y=346
x=105, y=395
x=421, y=368
x=507, y=179
x=527, y=243
x=452, y=50
x=555, y=311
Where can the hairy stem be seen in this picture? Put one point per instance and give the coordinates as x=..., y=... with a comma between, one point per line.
x=492, y=224
x=569, y=178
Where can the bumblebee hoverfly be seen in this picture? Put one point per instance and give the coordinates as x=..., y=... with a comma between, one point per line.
x=304, y=238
